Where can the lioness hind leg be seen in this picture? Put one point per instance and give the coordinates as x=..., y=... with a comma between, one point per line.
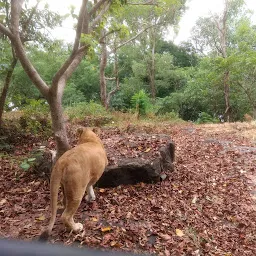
x=73, y=197
x=90, y=193
x=68, y=215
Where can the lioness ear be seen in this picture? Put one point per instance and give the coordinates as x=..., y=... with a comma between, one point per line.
x=79, y=131
x=96, y=130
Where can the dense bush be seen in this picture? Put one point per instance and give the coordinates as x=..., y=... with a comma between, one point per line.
x=84, y=109
x=35, y=117
x=72, y=96
x=206, y=118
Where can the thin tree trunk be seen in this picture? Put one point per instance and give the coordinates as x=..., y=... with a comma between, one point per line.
x=116, y=77
x=103, y=64
x=7, y=83
x=254, y=112
x=152, y=68
x=227, y=96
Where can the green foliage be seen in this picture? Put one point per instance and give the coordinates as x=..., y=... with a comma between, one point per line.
x=33, y=158
x=22, y=88
x=4, y=145
x=140, y=102
x=84, y=109
x=90, y=41
x=24, y=165
x=206, y=118
x=184, y=55
x=35, y=118
x=170, y=104
x=86, y=80
x=72, y=95
x=169, y=116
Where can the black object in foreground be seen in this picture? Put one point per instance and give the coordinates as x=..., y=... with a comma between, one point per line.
x=21, y=248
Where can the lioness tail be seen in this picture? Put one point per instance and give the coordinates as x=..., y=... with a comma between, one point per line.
x=54, y=189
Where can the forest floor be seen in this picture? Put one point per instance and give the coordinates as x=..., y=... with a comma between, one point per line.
x=207, y=206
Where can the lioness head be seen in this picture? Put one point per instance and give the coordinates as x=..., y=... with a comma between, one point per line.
x=87, y=135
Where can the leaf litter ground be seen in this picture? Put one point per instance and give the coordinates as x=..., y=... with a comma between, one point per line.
x=205, y=207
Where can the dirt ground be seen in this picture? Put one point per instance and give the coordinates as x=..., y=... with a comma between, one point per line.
x=207, y=206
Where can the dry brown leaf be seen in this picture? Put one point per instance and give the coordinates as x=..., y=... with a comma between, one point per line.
x=179, y=232
x=106, y=229
x=41, y=218
x=165, y=237
x=3, y=201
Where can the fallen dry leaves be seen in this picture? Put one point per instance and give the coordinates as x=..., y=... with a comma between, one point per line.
x=205, y=207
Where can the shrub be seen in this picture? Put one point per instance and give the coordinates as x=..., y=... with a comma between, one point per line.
x=72, y=96
x=91, y=114
x=206, y=118
x=170, y=103
x=35, y=117
x=140, y=102
x=170, y=116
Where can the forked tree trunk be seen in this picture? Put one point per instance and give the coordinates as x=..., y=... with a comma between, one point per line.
x=6, y=86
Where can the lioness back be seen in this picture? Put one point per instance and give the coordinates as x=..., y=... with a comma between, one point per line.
x=88, y=158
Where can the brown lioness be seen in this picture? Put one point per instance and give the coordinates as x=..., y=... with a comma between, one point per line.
x=77, y=170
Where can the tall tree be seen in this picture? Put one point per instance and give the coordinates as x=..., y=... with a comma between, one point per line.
x=214, y=35
x=33, y=23
x=242, y=61
x=130, y=24
x=90, y=17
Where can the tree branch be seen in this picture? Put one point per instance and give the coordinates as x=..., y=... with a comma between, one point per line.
x=136, y=36
x=96, y=7
x=100, y=15
x=6, y=31
x=16, y=7
x=149, y=2
x=64, y=67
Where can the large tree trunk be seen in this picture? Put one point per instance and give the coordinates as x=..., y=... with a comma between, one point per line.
x=7, y=83
x=58, y=123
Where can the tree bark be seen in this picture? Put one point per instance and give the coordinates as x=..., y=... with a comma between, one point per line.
x=152, y=68
x=58, y=122
x=103, y=64
x=227, y=97
x=117, y=87
x=6, y=86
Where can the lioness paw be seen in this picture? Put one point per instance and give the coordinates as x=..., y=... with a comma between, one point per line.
x=89, y=198
x=78, y=227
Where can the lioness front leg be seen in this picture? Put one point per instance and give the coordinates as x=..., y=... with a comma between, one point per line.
x=90, y=194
